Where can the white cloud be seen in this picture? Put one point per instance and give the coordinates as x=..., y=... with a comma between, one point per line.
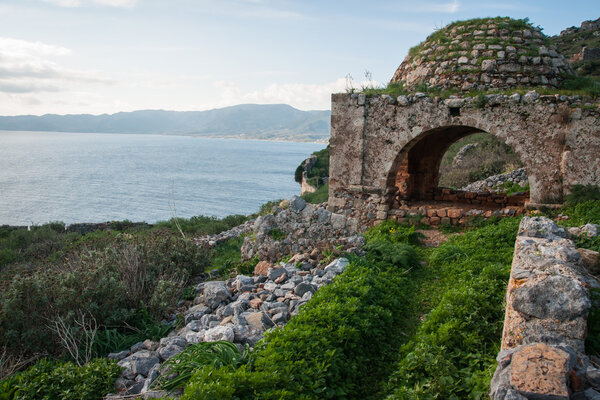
x=300, y=95
x=80, y=3
x=27, y=67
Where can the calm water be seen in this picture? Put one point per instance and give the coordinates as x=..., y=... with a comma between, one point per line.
x=88, y=177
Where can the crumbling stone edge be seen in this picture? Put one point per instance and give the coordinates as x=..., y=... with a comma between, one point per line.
x=542, y=355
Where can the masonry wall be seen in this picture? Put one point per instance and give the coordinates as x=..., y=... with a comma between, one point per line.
x=556, y=137
x=547, y=303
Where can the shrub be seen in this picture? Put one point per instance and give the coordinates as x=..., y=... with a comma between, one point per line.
x=340, y=345
x=588, y=84
x=112, y=283
x=397, y=233
x=202, y=225
x=298, y=173
x=592, y=341
x=51, y=380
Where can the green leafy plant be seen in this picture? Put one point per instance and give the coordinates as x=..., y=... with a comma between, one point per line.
x=452, y=354
x=397, y=233
x=50, y=380
x=179, y=369
x=586, y=212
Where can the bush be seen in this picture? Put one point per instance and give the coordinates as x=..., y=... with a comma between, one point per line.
x=202, y=225
x=340, y=345
x=49, y=380
x=112, y=283
x=587, y=84
x=298, y=173
x=397, y=233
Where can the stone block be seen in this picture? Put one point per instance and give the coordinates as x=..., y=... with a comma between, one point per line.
x=540, y=370
x=455, y=213
x=591, y=260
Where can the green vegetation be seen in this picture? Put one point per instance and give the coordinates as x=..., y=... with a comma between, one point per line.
x=571, y=44
x=585, y=84
x=215, y=354
x=50, y=380
x=452, y=355
x=592, y=341
x=319, y=196
x=580, y=194
x=117, y=284
x=361, y=337
x=340, y=345
x=202, y=225
x=490, y=157
x=513, y=188
x=584, y=208
x=318, y=172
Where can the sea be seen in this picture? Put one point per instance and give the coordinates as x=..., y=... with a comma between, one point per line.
x=98, y=177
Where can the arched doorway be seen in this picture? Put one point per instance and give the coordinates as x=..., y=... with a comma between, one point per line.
x=413, y=183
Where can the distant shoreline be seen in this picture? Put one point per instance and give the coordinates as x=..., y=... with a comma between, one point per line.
x=225, y=137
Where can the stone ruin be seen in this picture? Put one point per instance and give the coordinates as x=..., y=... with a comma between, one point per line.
x=481, y=54
x=386, y=151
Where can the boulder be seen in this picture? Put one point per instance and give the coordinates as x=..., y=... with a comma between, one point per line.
x=168, y=351
x=304, y=287
x=219, y=333
x=143, y=361
x=215, y=292
x=262, y=267
x=591, y=260
x=556, y=297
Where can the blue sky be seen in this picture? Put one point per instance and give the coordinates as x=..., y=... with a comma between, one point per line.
x=105, y=56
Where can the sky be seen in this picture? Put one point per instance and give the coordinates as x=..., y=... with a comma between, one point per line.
x=107, y=56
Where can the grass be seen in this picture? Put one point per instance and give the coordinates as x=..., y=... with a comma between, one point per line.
x=586, y=86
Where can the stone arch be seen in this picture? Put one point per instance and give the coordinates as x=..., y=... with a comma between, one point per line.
x=415, y=170
x=371, y=138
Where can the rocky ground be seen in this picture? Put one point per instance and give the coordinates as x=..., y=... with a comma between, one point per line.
x=241, y=309
x=494, y=183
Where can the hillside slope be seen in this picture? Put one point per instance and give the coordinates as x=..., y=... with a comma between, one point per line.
x=573, y=40
x=253, y=121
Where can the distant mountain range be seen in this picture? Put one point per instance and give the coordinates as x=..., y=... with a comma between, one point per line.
x=248, y=121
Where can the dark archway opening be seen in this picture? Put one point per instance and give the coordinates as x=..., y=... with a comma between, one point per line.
x=414, y=188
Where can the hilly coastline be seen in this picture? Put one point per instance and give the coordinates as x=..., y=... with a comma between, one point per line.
x=246, y=121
